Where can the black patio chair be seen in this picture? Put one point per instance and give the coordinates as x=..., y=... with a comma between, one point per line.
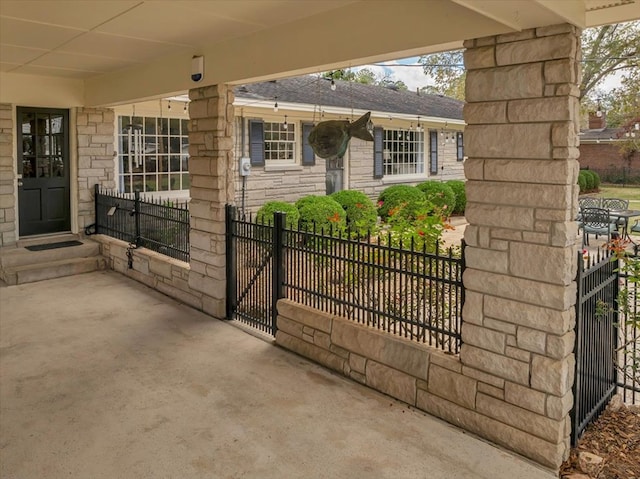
x=597, y=221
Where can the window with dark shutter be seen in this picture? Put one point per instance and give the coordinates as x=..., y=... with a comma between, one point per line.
x=433, y=152
x=378, y=157
x=308, y=156
x=460, y=146
x=256, y=142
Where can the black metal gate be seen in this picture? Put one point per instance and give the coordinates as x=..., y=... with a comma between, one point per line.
x=596, y=340
x=254, y=270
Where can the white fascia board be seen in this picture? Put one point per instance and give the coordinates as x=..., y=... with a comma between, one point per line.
x=305, y=107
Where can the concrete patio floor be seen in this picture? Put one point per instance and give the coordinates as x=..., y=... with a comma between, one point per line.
x=102, y=377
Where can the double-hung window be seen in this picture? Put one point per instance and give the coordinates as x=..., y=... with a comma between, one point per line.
x=275, y=143
x=398, y=152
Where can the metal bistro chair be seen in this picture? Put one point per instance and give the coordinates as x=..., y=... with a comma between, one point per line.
x=616, y=204
x=587, y=202
x=596, y=221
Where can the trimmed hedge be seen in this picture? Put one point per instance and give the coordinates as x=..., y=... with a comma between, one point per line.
x=458, y=188
x=591, y=181
x=409, y=199
x=440, y=194
x=361, y=212
x=322, y=213
x=266, y=212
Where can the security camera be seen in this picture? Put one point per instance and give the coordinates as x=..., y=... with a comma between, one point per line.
x=197, y=68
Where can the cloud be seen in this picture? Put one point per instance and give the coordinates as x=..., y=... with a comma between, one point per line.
x=413, y=76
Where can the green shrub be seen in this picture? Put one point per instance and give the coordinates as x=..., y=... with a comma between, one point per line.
x=360, y=210
x=582, y=181
x=266, y=212
x=590, y=179
x=406, y=200
x=440, y=194
x=596, y=180
x=461, y=195
x=322, y=213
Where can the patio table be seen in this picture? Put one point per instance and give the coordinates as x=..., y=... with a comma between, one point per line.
x=625, y=215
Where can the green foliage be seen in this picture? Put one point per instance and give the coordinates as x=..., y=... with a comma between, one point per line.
x=266, y=211
x=447, y=71
x=422, y=231
x=361, y=212
x=406, y=200
x=582, y=181
x=440, y=194
x=458, y=188
x=322, y=213
x=592, y=180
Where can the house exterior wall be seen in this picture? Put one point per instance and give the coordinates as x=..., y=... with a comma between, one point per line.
x=291, y=182
x=95, y=150
x=7, y=177
x=605, y=157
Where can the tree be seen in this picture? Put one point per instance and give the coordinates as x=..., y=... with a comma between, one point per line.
x=447, y=71
x=367, y=77
x=605, y=50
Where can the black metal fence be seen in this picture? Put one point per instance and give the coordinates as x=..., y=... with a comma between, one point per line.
x=407, y=291
x=607, y=347
x=156, y=225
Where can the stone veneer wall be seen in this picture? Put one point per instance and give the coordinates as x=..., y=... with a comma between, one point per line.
x=213, y=169
x=7, y=177
x=421, y=376
x=522, y=112
x=95, y=137
x=512, y=382
x=167, y=275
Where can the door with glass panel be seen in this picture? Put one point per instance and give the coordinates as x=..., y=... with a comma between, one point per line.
x=43, y=171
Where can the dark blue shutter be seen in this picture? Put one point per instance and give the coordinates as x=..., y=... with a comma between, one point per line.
x=308, y=156
x=378, y=149
x=460, y=145
x=256, y=142
x=433, y=152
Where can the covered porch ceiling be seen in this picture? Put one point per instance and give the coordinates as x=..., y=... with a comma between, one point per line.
x=118, y=51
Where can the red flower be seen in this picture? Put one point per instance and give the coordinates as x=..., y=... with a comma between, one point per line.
x=335, y=218
x=421, y=233
x=380, y=203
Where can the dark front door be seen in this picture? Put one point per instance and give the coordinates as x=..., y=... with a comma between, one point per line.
x=43, y=163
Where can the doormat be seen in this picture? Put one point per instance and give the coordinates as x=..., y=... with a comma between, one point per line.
x=62, y=244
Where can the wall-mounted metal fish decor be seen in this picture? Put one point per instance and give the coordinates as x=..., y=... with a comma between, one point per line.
x=329, y=139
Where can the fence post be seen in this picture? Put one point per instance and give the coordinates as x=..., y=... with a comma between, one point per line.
x=96, y=192
x=136, y=213
x=577, y=351
x=230, y=253
x=277, y=288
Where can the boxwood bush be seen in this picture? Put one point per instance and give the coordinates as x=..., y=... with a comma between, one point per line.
x=458, y=188
x=266, y=211
x=361, y=212
x=440, y=194
x=582, y=181
x=408, y=200
x=322, y=213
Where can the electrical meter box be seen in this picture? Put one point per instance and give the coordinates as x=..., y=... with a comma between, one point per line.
x=245, y=166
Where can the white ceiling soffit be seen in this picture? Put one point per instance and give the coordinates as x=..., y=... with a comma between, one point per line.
x=133, y=49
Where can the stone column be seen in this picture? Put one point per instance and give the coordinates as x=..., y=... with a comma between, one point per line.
x=522, y=146
x=95, y=136
x=211, y=168
x=7, y=177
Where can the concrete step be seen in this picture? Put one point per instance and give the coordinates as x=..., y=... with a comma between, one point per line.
x=14, y=257
x=46, y=239
x=31, y=273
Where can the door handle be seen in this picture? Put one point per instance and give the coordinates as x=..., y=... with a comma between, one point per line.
x=20, y=183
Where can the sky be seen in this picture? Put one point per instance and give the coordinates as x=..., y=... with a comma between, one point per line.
x=414, y=77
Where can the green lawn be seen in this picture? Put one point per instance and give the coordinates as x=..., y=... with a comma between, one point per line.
x=631, y=193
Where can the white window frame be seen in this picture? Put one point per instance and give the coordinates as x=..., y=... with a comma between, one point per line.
x=403, y=153
x=149, y=144
x=285, y=141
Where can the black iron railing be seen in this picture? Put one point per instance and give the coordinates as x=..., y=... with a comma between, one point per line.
x=405, y=291
x=157, y=225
